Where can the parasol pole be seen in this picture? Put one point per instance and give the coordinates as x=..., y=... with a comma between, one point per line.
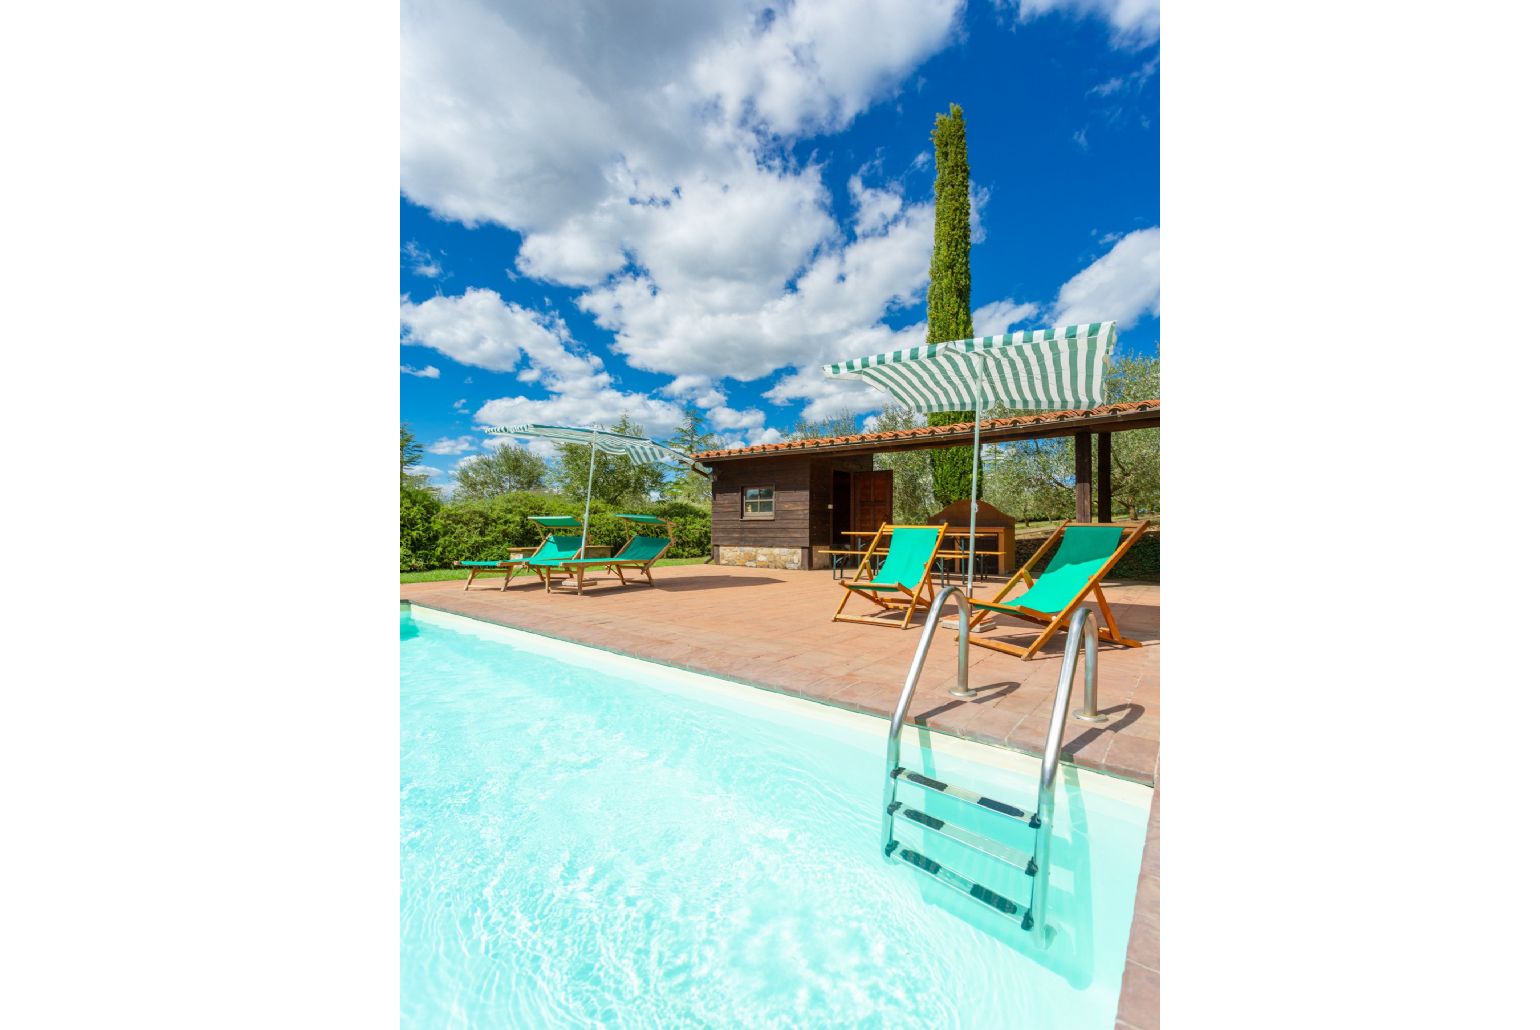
x=593, y=452
x=973, y=496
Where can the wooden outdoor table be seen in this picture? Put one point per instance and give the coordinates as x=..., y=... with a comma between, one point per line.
x=995, y=535
x=962, y=556
x=959, y=553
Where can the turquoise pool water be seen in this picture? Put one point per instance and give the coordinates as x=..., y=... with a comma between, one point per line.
x=591, y=840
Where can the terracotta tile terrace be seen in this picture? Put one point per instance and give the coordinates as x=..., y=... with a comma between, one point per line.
x=772, y=629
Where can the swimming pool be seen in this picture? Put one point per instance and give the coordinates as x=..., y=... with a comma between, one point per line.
x=594, y=840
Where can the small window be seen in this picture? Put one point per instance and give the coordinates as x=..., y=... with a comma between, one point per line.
x=759, y=502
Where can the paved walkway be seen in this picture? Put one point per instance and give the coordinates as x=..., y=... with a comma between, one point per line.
x=772, y=629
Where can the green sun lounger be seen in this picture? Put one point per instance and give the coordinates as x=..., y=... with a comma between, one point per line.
x=903, y=581
x=1087, y=551
x=553, y=547
x=638, y=553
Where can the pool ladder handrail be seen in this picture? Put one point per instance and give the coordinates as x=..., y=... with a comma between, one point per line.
x=1077, y=639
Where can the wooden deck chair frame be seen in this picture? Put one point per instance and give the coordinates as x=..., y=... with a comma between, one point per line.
x=1109, y=632
x=921, y=597
x=484, y=570
x=577, y=570
x=510, y=567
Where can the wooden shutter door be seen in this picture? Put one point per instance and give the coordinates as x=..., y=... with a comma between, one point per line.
x=871, y=499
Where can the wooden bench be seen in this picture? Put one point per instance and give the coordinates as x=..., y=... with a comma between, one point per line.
x=836, y=563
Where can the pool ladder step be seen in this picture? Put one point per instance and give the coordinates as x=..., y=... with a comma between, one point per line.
x=965, y=795
x=999, y=904
x=968, y=839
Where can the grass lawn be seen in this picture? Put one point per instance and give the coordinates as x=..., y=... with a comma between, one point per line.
x=434, y=575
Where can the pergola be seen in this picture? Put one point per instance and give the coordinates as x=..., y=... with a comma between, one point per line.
x=1082, y=424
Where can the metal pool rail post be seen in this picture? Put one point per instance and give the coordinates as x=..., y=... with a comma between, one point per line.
x=896, y=727
x=1077, y=638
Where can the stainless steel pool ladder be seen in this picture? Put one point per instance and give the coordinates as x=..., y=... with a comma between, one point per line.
x=1034, y=866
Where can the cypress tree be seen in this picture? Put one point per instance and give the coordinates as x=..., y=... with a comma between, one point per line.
x=948, y=312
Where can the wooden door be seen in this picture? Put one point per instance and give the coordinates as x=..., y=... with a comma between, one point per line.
x=871, y=499
x=839, y=510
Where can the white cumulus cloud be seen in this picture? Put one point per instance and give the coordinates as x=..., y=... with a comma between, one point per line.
x=451, y=445
x=600, y=407
x=1122, y=285
x=748, y=419
x=1134, y=23
x=421, y=261
x=480, y=328
x=1004, y=316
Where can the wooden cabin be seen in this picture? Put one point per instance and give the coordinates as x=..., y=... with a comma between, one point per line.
x=778, y=505
x=780, y=512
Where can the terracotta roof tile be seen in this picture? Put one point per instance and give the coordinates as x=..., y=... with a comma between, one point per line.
x=956, y=429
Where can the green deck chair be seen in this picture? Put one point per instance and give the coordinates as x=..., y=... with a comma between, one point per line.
x=553, y=546
x=903, y=582
x=1087, y=551
x=638, y=553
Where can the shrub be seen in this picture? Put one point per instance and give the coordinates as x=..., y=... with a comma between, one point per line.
x=418, y=536
x=484, y=529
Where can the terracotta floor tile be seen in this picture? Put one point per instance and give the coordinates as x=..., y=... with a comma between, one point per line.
x=1128, y=756
x=1139, y=1006
x=1144, y=943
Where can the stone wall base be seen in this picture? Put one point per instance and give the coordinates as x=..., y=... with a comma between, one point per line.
x=760, y=557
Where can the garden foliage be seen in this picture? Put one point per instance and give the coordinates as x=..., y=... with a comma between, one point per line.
x=485, y=528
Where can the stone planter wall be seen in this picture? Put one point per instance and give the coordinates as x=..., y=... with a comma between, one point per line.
x=760, y=557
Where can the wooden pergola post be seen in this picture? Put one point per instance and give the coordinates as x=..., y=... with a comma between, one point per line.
x=1082, y=477
x=1103, y=477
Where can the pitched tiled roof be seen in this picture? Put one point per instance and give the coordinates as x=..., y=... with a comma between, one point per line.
x=962, y=430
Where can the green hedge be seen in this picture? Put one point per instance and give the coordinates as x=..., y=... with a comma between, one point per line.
x=483, y=530
x=1141, y=562
x=418, y=537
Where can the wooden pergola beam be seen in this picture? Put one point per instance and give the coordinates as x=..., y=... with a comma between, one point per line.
x=1103, y=477
x=1083, y=477
x=958, y=436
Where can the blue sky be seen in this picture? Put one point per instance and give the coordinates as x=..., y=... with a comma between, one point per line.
x=604, y=211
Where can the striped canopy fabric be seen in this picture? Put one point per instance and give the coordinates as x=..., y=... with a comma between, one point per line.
x=1041, y=370
x=637, y=448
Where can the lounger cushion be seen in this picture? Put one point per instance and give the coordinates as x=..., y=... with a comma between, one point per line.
x=557, y=546
x=642, y=548
x=1082, y=550
x=638, y=550
x=587, y=563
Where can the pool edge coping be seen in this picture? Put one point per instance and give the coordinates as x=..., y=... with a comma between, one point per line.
x=1065, y=760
